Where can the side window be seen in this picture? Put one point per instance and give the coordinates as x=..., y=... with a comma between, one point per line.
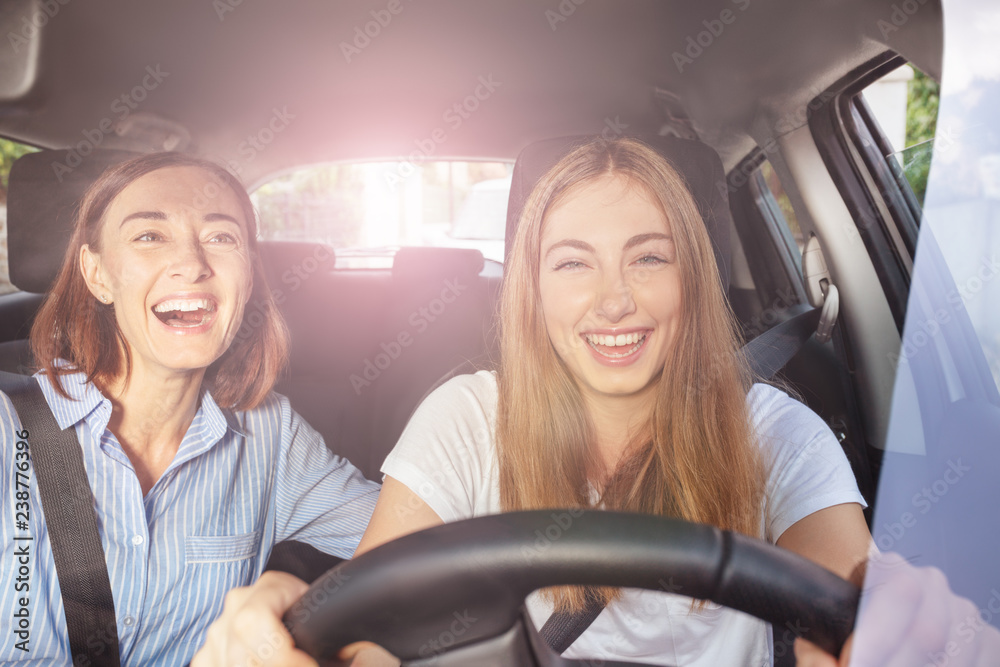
x=367, y=210
x=875, y=132
x=775, y=205
x=905, y=104
x=9, y=151
x=891, y=120
x=766, y=280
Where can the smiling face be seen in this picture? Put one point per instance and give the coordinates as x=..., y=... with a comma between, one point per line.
x=176, y=266
x=610, y=286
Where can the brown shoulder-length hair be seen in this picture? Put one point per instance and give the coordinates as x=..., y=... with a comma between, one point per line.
x=696, y=458
x=74, y=326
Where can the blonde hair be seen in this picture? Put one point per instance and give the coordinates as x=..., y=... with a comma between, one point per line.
x=696, y=459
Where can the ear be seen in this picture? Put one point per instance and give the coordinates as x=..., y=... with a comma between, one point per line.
x=93, y=274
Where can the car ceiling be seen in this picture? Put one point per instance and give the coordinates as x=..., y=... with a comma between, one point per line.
x=230, y=64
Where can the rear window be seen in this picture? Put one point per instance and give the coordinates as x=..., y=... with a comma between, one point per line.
x=368, y=210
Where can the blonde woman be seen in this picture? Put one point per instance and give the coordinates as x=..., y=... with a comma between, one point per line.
x=621, y=386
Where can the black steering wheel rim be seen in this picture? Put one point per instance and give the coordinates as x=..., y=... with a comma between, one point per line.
x=405, y=593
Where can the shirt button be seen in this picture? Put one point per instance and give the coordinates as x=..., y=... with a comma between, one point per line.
x=137, y=540
x=128, y=621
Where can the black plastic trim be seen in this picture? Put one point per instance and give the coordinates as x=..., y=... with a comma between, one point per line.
x=833, y=128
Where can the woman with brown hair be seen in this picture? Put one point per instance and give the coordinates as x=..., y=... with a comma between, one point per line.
x=621, y=386
x=196, y=467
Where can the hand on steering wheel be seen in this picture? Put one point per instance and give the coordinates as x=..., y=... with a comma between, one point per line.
x=408, y=595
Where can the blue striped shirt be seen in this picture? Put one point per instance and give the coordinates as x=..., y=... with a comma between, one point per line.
x=234, y=489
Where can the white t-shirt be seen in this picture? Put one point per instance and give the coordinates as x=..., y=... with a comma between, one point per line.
x=446, y=456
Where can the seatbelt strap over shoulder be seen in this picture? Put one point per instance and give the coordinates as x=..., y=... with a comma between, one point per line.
x=68, y=507
x=770, y=351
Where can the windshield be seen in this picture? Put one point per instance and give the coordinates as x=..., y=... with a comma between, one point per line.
x=938, y=494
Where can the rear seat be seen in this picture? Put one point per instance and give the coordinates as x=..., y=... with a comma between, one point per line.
x=439, y=315
x=368, y=344
x=18, y=312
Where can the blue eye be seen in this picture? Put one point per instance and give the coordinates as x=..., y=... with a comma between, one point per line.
x=651, y=260
x=568, y=264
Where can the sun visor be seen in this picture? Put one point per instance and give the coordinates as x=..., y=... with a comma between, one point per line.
x=21, y=22
x=42, y=199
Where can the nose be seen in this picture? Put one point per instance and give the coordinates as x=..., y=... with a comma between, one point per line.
x=190, y=263
x=614, y=300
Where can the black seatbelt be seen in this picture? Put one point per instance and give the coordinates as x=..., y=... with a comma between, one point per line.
x=767, y=354
x=565, y=627
x=68, y=506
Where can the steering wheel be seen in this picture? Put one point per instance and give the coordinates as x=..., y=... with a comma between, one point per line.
x=454, y=594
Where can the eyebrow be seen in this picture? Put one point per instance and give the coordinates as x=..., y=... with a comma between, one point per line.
x=222, y=217
x=144, y=215
x=159, y=215
x=636, y=240
x=639, y=239
x=569, y=243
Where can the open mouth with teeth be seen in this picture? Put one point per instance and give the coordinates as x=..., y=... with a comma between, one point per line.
x=185, y=313
x=616, y=347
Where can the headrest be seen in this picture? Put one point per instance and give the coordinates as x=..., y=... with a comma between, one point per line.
x=42, y=199
x=413, y=263
x=696, y=162
x=288, y=263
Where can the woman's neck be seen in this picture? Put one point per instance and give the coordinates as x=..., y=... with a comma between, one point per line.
x=618, y=421
x=150, y=415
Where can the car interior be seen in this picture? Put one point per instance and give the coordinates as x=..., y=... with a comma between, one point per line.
x=720, y=87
